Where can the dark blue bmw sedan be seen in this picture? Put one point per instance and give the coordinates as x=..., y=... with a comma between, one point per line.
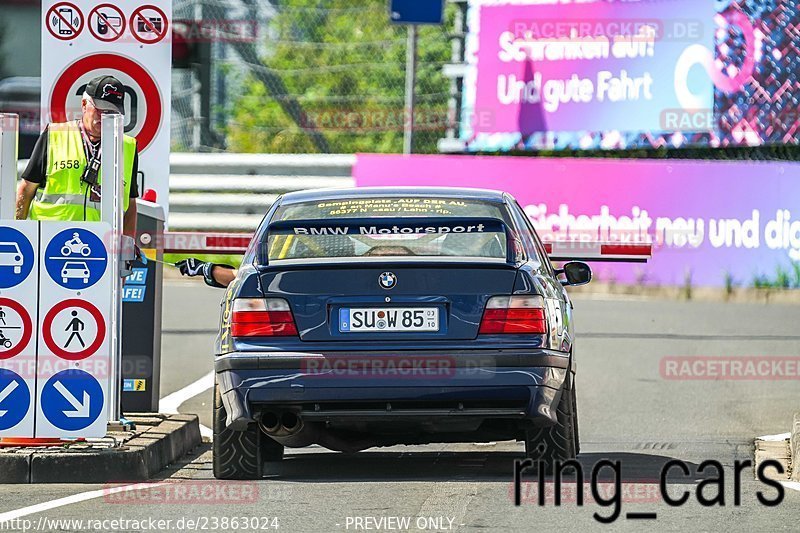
x=383, y=316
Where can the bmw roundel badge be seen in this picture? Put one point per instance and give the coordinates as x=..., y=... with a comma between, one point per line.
x=387, y=280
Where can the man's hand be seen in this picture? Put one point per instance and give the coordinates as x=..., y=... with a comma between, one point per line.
x=219, y=276
x=191, y=267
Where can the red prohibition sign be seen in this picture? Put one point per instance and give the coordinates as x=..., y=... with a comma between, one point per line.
x=27, y=328
x=58, y=15
x=152, y=98
x=112, y=33
x=47, y=329
x=137, y=18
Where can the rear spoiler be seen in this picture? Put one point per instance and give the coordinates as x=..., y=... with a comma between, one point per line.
x=237, y=243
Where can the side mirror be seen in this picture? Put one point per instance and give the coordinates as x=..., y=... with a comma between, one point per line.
x=576, y=272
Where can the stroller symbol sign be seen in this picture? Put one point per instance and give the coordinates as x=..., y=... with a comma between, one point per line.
x=76, y=258
x=16, y=328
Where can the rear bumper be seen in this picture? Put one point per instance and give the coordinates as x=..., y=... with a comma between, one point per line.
x=381, y=386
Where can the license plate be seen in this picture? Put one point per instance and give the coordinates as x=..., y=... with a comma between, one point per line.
x=389, y=319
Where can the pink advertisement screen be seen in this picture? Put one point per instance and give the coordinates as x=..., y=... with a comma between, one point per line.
x=588, y=74
x=707, y=221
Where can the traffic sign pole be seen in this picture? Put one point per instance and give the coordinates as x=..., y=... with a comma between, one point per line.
x=9, y=135
x=411, y=81
x=111, y=212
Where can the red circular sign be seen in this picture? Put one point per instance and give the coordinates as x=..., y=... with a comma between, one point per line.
x=27, y=328
x=60, y=21
x=144, y=24
x=47, y=329
x=104, y=18
x=152, y=98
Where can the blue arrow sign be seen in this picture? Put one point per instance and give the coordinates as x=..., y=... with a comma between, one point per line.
x=72, y=400
x=16, y=257
x=75, y=258
x=15, y=399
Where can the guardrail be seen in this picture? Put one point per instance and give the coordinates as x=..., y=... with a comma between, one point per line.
x=232, y=192
x=224, y=192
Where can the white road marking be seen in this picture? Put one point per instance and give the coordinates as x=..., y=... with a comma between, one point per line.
x=794, y=485
x=170, y=403
x=167, y=405
x=782, y=436
x=75, y=498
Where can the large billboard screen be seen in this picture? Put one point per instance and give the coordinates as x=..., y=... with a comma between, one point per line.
x=710, y=224
x=556, y=74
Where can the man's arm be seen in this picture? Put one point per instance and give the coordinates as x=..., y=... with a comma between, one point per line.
x=26, y=192
x=224, y=276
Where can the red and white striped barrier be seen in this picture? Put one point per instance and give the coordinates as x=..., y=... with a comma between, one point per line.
x=599, y=251
x=236, y=243
x=204, y=243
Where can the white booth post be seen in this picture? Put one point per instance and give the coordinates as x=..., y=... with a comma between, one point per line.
x=9, y=136
x=111, y=212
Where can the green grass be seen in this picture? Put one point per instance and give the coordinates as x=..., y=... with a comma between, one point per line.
x=782, y=279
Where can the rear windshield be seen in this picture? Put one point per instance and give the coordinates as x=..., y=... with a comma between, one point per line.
x=376, y=238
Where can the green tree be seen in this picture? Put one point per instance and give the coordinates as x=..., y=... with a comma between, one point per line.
x=344, y=62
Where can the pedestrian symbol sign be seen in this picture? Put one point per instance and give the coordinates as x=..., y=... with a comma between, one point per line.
x=74, y=329
x=15, y=399
x=72, y=400
x=16, y=257
x=76, y=258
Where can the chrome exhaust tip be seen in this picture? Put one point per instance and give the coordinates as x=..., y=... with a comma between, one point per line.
x=270, y=422
x=291, y=422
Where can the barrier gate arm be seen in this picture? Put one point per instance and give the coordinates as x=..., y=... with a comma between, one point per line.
x=236, y=243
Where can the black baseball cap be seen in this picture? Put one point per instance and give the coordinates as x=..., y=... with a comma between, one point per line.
x=108, y=94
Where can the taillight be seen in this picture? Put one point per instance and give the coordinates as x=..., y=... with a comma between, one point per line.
x=514, y=314
x=262, y=317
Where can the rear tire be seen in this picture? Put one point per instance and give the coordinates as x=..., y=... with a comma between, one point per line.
x=558, y=442
x=240, y=454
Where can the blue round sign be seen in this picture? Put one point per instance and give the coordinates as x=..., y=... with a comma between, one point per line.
x=72, y=400
x=16, y=257
x=15, y=399
x=75, y=258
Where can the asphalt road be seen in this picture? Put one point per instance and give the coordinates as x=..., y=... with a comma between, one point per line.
x=629, y=412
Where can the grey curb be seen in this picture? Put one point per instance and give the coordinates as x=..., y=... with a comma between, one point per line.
x=794, y=445
x=137, y=460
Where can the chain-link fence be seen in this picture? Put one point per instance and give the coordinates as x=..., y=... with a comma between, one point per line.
x=300, y=76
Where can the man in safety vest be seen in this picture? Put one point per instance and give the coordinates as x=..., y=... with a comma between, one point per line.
x=65, y=164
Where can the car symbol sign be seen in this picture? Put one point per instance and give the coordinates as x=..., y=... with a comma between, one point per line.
x=387, y=280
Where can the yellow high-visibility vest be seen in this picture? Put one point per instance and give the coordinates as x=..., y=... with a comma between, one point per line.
x=65, y=195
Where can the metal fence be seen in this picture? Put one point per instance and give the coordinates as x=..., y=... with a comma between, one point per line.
x=305, y=76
